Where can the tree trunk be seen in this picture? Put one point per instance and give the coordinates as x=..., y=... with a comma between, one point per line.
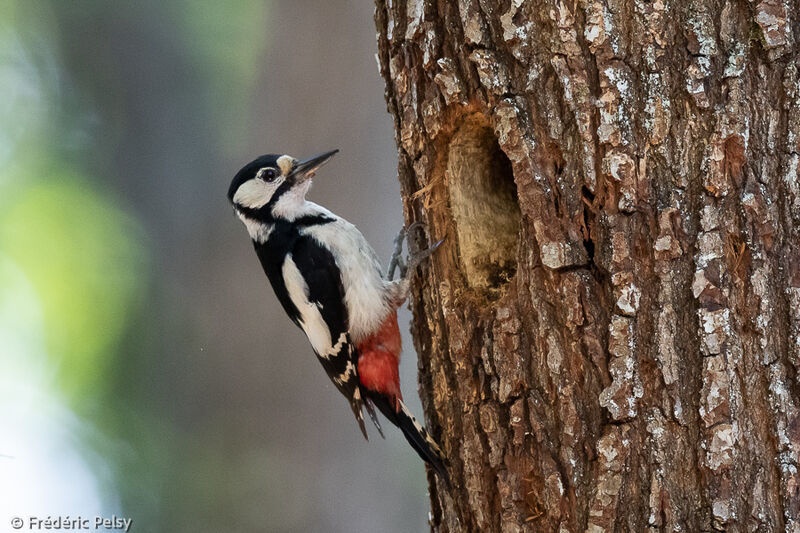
x=609, y=337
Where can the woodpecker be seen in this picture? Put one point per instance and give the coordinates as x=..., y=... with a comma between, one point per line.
x=329, y=281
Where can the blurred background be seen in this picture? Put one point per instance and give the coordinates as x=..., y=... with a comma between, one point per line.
x=146, y=368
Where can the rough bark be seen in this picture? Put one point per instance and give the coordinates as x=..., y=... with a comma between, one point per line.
x=609, y=337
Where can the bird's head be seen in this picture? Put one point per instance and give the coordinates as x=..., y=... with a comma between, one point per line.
x=274, y=184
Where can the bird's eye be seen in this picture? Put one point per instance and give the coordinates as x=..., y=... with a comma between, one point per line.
x=269, y=174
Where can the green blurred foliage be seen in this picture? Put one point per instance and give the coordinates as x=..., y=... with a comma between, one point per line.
x=217, y=35
x=118, y=122
x=79, y=246
x=82, y=254
x=85, y=258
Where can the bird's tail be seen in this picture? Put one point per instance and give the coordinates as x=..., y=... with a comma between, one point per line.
x=416, y=435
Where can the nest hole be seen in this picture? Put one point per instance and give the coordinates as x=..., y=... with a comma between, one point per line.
x=485, y=206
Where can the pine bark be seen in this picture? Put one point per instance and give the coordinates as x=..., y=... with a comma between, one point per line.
x=609, y=337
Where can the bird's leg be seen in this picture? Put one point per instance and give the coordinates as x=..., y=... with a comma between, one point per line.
x=401, y=286
x=414, y=257
x=397, y=257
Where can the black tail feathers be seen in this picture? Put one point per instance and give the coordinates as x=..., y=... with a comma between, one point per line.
x=416, y=435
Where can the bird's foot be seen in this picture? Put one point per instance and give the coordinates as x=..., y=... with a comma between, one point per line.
x=415, y=256
x=397, y=256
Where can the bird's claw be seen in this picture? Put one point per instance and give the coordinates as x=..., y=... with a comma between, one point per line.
x=397, y=256
x=415, y=256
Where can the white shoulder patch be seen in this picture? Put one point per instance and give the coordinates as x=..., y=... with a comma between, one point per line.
x=310, y=318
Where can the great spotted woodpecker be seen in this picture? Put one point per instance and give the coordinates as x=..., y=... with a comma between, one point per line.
x=329, y=281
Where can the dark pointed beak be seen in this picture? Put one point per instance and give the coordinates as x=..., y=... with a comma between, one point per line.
x=306, y=169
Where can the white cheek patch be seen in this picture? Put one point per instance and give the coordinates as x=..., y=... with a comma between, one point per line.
x=254, y=193
x=285, y=163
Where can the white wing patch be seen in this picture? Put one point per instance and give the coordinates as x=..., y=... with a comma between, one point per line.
x=310, y=317
x=349, y=372
x=335, y=349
